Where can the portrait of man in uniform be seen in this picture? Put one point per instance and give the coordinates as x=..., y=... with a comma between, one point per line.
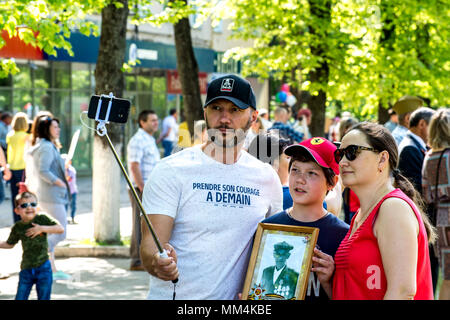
x=279, y=279
x=280, y=263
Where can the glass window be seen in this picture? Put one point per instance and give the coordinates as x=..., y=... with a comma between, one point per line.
x=22, y=79
x=83, y=152
x=80, y=76
x=5, y=99
x=144, y=83
x=159, y=102
x=193, y=18
x=159, y=94
x=130, y=82
x=143, y=102
x=92, y=68
x=159, y=85
x=22, y=98
x=132, y=116
x=61, y=75
x=6, y=82
x=42, y=75
x=42, y=100
x=219, y=27
x=131, y=126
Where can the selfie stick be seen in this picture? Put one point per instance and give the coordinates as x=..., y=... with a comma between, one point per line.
x=101, y=131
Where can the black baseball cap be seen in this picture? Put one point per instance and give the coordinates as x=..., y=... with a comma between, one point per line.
x=232, y=88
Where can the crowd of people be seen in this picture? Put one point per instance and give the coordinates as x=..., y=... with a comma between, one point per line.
x=379, y=194
x=382, y=235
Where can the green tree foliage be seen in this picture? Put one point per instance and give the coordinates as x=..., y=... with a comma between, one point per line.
x=376, y=50
x=46, y=24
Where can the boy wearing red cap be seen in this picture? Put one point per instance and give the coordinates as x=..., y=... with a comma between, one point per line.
x=312, y=173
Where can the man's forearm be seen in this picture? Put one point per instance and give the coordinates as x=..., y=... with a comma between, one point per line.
x=136, y=175
x=162, y=226
x=147, y=249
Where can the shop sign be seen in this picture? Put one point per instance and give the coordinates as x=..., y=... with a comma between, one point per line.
x=174, y=83
x=16, y=48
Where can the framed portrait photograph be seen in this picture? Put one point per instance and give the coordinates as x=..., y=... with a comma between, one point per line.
x=280, y=262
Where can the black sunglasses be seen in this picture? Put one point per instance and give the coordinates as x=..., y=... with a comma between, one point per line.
x=350, y=152
x=28, y=204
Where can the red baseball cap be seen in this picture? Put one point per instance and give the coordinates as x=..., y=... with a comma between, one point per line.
x=320, y=149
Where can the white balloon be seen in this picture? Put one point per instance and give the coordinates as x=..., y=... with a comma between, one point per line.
x=291, y=100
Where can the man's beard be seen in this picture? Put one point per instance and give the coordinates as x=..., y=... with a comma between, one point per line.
x=233, y=136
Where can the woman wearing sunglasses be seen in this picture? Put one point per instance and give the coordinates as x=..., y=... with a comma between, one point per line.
x=385, y=253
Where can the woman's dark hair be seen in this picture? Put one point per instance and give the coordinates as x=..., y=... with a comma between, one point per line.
x=304, y=156
x=36, y=120
x=43, y=127
x=381, y=139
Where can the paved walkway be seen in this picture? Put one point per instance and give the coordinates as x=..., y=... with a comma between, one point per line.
x=92, y=277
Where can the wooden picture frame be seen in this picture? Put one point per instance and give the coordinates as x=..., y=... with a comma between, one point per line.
x=288, y=247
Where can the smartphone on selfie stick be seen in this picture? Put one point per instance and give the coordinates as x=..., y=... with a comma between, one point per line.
x=105, y=109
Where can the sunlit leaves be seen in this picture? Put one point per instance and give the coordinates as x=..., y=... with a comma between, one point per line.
x=46, y=24
x=7, y=66
x=377, y=50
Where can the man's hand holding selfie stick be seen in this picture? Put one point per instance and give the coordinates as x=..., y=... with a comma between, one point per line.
x=106, y=108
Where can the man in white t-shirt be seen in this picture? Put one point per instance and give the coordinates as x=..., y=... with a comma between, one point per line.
x=205, y=203
x=169, y=132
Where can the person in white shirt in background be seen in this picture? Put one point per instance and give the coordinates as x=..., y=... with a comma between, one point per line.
x=169, y=132
x=264, y=115
x=256, y=128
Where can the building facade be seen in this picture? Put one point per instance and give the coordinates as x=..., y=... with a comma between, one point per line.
x=64, y=84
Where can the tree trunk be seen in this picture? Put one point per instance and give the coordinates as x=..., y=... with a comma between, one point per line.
x=386, y=41
x=109, y=78
x=317, y=107
x=188, y=71
x=383, y=115
x=295, y=89
x=321, y=9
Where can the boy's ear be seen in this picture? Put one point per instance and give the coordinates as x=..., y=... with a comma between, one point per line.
x=335, y=180
x=16, y=210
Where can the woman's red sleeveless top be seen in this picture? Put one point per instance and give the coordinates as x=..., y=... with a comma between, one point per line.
x=359, y=273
